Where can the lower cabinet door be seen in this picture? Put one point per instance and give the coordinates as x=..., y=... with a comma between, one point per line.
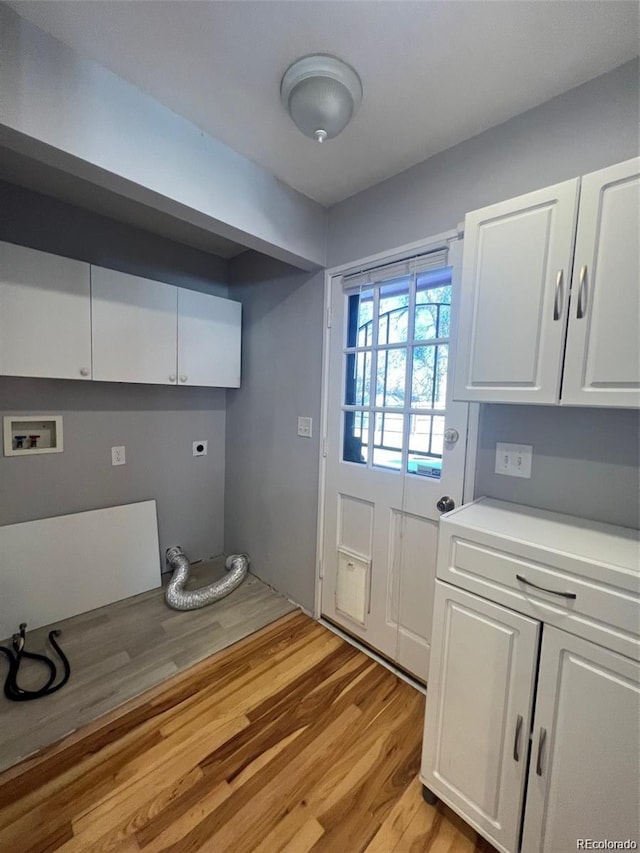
x=585, y=761
x=479, y=703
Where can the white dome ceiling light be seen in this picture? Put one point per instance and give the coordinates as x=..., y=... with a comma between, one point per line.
x=321, y=94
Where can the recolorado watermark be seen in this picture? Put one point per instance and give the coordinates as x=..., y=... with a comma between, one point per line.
x=605, y=844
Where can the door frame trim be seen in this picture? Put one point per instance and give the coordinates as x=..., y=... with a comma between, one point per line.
x=388, y=256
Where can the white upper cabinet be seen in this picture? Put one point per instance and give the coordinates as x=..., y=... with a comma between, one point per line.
x=133, y=328
x=514, y=297
x=208, y=340
x=45, y=315
x=602, y=365
x=521, y=316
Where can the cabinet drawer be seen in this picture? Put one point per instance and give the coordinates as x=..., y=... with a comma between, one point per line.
x=585, y=595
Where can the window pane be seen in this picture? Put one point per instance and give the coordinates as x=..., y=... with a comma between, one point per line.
x=393, y=312
x=425, y=445
x=387, y=440
x=356, y=437
x=433, y=307
x=429, y=377
x=357, y=379
x=391, y=376
x=360, y=319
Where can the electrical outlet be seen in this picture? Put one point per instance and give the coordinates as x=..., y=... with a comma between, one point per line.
x=118, y=456
x=305, y=427
x=514, y=460
x=199, y=448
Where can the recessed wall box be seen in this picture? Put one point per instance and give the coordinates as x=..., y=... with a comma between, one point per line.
x=25, y=435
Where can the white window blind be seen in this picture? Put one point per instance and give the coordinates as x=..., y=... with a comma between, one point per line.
x=397, y=269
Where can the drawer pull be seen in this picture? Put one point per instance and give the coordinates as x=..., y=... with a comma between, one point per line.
x=543, y=737
x=516, y=742
x=544, y=588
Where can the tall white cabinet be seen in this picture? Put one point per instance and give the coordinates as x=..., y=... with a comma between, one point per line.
x=45, y=315
x=532, y=728
x=550, y=295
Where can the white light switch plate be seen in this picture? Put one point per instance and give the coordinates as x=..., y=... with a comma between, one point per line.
x=305, y=427
x=514, y=460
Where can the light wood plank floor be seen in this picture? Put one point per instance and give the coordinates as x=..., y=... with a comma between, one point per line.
x=291, y=740
x=121, y=650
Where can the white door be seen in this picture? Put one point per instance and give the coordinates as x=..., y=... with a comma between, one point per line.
x=479, y=705
x=45, y=315
x=585, y=760
x=134, y=328
x=208, y=340
x=388, y=462
x=602, y=366
x=514, y=299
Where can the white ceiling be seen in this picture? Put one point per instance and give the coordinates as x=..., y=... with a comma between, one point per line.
x=434, y=73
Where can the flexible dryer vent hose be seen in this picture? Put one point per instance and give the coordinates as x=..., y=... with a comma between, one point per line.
x=179, y=598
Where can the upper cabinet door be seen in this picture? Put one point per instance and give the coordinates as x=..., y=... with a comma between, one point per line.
x=602, y=366
x=208, y=340
x=45, y=316
x=514, y=297
x=583, y=775
x=134, y=328
x=479, y=702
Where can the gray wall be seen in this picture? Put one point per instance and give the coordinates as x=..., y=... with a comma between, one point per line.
x=583, y=130
x=272, y=474
x=156, y=424
x=585, y=461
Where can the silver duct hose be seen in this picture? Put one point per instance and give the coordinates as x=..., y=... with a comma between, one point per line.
x=179, y=598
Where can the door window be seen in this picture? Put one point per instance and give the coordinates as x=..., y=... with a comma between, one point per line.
x=395, y=372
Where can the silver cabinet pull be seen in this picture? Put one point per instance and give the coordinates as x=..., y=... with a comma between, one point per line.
x=84, y=371
x=557, y=302
x=516, y=740
x=544, y=588
x=582, y=292
x=543, y=737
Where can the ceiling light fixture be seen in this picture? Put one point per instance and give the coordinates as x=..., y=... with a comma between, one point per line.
x=321, y=94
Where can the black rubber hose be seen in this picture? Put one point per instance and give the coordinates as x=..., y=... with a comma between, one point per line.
x=12, y=689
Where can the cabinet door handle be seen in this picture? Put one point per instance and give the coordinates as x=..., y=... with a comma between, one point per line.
x=183, y=378
x=581, y=293
x=557, y=302
x=541, y=742
x=544, y=588
x=172, y=377
x=516, y=740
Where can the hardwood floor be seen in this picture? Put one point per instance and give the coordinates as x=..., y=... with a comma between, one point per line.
x=290, y=740
x=123, y=649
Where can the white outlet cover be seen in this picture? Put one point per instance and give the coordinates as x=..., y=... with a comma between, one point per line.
x=199, y=448
x=514, y=460
x=118, y=456
x=305, y=426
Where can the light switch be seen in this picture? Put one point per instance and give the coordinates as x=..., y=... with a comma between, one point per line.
x=514, y=460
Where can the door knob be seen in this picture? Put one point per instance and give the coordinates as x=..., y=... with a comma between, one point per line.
x=451, y=435
x=446, y=504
